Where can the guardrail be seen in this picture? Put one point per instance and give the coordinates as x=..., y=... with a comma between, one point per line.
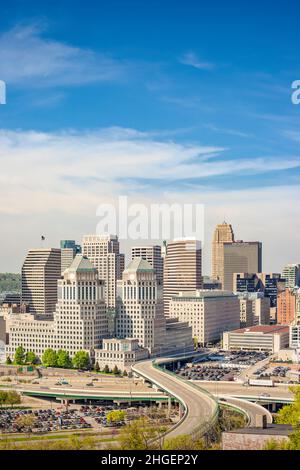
x=204, y=427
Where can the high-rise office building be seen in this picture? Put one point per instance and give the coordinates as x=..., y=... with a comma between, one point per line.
x=223, y=233
x=140, y=308
x=208, y=312
x=286, y=306
x=271, y=284
x=79, y=321
x=140, y=313
x=40, y=273
x=182, y=269
x=152, y=254
x=104, y=253
x=240, y=257
x=291, y=274
x=245, y=282
x=69, y=250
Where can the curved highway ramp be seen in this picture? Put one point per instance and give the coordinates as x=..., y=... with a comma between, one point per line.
x=201, y=409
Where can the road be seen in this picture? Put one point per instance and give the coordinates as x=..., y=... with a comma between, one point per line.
x=201, y=407
x=252, y=409
x=238, y=390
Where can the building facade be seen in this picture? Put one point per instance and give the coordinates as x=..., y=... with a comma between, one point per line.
x=104, y=253
x=271, y=338
x=291, y=274
x=152, y=254
x=209, y=313
x=240, y=257
x=122, y=353
x=182, y=269
x=79, y=321
x=223, y=233
x=286, y=306
x=69, y=250
x=140, y=313
x=40, y=273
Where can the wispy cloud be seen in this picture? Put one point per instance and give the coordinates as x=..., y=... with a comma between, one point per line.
x=190, y=58
x=71, y=171
x=27, y=58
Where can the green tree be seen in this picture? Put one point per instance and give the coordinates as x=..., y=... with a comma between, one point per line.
x=49, y=358
x=116, y=370
x=8, y=361
x=142, y=434
x=13, y=398
x=26, y=422
x=125, y=374
x=30, y=357
x=115, y=416
x=183, y=442
x=97, y=367
x=81, y=360
x=19, y=357
x=290, y=414
x=106, y=369
x=3, y=397
x=63, y=359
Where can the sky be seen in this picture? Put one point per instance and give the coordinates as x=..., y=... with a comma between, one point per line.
x=174, y=101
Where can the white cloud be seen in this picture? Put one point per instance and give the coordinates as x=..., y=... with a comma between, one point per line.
x=71, y=171
x=190, y=58
x=52, y=183
x=29, y=59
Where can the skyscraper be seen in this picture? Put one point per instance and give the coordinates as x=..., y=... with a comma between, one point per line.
x=140, y=313
x=240, y=257
x=140, y=308
x=291, y=274
x=104, y=253
x=182, y=269
x=79, y=321
x=286, y=306
x=152, y=254
x=223, y=233
x=40, y=273
x=69, y=250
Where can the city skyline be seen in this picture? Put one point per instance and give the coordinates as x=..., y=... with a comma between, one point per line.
x=105, y=104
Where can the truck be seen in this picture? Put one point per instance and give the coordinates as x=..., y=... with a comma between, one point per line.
x=261, y=383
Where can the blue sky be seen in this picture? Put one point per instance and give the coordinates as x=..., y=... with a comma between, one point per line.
x=190, y=99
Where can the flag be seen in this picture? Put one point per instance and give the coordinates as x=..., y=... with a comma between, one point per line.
x=42, y=238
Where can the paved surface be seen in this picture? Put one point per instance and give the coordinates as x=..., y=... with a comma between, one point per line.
x=200, y=407
x=241, y=391
x=252, y=409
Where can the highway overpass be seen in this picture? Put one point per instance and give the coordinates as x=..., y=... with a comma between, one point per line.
x=201, y=409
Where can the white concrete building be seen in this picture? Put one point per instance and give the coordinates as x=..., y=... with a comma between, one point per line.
x=140, y=312
x=152, y=254
x=79, y=321
x=208, y=312
x=271, y=338
x=104, y=253
x=122, y=353
x=182, y=269
x=291, y=274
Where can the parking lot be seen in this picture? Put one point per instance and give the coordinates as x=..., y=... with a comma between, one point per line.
x=243, y=358
x=80, y=417
x=221, y=365
x=214, y=373
x=43, y=420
